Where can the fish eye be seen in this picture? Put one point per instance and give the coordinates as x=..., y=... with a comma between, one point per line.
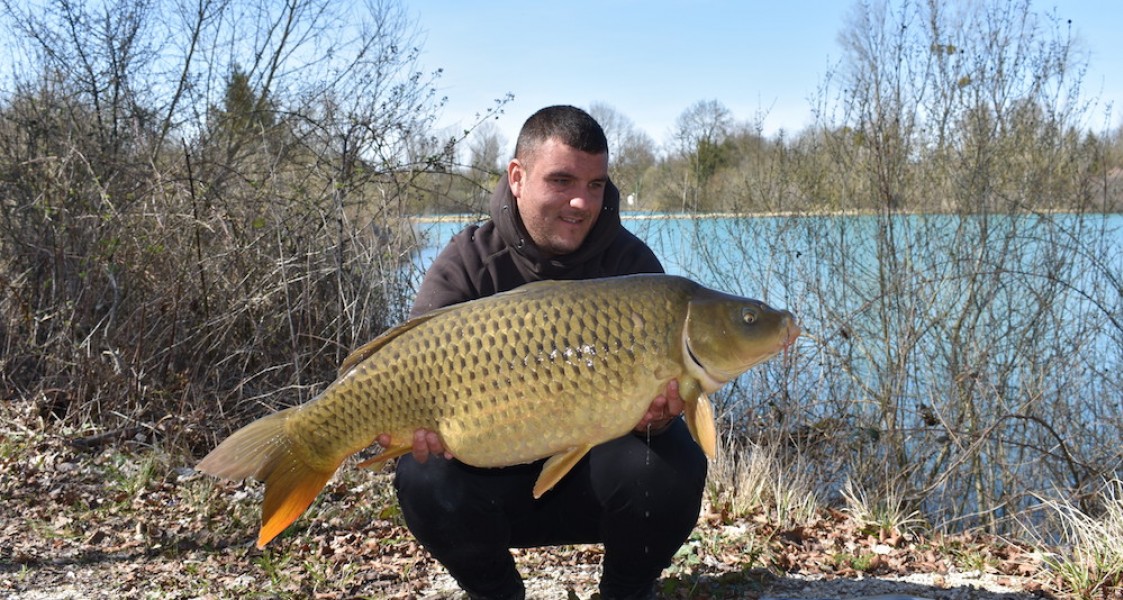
x=748, y=315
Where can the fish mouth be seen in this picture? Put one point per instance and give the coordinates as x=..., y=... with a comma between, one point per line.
x=792, y=333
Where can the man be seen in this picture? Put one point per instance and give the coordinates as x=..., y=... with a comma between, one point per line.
x=554, y=216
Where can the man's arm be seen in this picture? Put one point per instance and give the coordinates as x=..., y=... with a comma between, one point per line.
x=446, y=282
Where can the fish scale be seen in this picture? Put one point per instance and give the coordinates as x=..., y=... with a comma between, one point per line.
x=486, y=398
x=548, y=370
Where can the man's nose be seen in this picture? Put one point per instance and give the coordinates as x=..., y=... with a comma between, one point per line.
x=584, y=200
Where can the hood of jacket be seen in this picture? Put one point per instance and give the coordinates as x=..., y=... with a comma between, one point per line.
x=509, y=225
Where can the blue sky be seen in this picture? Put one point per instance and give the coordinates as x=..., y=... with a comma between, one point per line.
x=652, y=59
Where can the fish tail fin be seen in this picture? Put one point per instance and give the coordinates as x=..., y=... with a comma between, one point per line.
x=264, y=451
x=289, y=491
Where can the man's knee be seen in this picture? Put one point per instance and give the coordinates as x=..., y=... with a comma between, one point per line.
x=430, y=494
x=667, y=473
x=672, y=457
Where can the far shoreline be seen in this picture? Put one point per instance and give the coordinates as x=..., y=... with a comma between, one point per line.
x=655, y=216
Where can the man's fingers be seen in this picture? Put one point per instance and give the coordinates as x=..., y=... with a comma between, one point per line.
x=420, y=446
x=433, y=442
x=674, y=404
x=425, y=443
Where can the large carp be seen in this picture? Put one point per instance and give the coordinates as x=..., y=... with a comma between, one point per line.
x=550, y=369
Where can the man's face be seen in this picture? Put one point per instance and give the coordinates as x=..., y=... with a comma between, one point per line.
x=560, y=192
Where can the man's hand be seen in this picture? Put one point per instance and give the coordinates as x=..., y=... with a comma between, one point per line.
x=663, y=410
x=425, y=443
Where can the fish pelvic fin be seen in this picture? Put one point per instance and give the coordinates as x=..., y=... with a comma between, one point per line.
x=700, y=421
x=557, y=466
x=392, y=452
x=264, y=451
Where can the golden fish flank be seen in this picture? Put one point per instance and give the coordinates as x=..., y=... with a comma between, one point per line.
x=548, y=370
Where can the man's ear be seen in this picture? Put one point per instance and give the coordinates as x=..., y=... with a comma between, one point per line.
x=516, y=175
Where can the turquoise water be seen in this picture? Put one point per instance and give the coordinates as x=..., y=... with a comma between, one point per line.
x=903, y=288
x=778, y=258
x=979, y=356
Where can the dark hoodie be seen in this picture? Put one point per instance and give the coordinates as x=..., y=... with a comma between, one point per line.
x=498, y=255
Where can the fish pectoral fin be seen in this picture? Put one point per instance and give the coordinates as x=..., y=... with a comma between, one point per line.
x=700, y=421
x=556, y=468
x=393, y=451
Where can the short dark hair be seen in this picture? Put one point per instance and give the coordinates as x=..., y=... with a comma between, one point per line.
x=573, y=126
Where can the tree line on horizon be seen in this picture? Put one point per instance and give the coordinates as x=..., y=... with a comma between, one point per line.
x=980, y=108
x=723, y=169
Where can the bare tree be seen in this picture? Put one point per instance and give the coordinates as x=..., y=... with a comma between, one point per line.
x=485, y=150
x=704, y=122
x=966, y=109
x=700, y=134
x=207, y=195
x=954, y=326
x=631, y=150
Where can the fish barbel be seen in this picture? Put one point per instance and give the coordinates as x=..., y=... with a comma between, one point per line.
x=550, y=369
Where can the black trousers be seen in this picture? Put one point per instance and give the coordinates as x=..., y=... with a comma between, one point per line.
x=639, y=497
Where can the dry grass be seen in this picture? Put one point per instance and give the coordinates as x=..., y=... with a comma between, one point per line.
x=130, y=519
x=747, y=477
x=886, y=513
x=1088, y=561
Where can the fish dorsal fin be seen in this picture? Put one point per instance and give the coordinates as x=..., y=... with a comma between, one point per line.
x=543, y=284
x=366, y=350
x=556, y=468
x=363, y=352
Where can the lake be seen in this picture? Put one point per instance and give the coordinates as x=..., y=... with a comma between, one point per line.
x=778, y=250
x=977, y=359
